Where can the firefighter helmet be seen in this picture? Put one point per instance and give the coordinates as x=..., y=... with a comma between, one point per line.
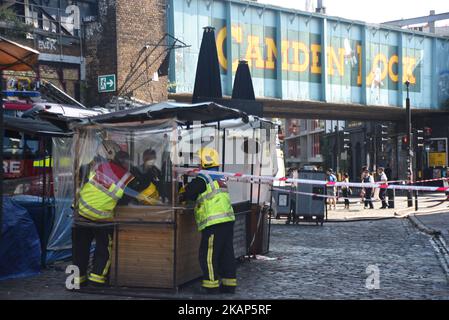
x=209, y=157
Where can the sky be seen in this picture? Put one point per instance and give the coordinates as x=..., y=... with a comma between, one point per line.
x=373, y=11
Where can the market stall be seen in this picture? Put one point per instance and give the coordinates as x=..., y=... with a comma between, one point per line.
x=155, y=242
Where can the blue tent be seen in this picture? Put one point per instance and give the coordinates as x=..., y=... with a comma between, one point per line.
x=20, y=248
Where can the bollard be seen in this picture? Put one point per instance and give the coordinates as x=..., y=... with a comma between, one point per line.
x=416, y=200
x=409, y=199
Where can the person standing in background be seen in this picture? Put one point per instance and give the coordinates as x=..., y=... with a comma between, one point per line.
x=383, y=191
x=368, y=191
x=346, y=191
x=331, y=190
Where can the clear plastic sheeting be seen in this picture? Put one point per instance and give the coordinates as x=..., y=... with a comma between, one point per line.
x=60, y=240
x=244, y=147
x=154, y=147
x=145, y=152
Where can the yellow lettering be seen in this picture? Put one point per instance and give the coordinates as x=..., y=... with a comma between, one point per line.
x=221, y=36
x=339, y=62
x=253, y=52
x=272, y=53
x=236, y=33
x=380, y=61
x=299, y=47
x=409, y=64
x=393, y=60
x=316, y=51
x=284, y=54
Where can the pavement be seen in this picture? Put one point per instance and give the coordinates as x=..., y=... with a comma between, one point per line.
x=386, y=258
x=434, y=223
x=429, y=203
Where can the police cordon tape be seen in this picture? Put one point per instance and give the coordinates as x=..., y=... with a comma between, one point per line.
x=319, y=195
x=268, y=179
x=418, y=181
x=428, y=180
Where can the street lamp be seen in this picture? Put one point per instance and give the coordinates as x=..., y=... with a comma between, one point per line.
x=409, y=142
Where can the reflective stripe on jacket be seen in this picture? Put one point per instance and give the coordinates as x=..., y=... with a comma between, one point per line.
x=213, y=206
x=97, y=198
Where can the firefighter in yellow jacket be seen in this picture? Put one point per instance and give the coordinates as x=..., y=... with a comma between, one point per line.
x=215, y=218
x=105, y=186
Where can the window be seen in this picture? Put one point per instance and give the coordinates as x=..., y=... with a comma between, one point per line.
x=315, y=145
x=18, y=145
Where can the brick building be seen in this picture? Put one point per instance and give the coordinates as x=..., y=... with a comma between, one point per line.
x=81, y=40
x=127, y=40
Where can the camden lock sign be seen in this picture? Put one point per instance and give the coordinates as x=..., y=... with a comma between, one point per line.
x=303, y=58
x=106, y=83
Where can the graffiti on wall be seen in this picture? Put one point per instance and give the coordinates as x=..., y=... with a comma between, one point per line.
x=47, y=44
x=50, y=13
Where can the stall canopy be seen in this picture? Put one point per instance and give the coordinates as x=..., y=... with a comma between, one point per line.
x=16, y=57
x=185, y=112
x=34, y=127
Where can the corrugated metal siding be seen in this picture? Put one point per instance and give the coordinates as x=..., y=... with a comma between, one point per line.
x=240, y=246
x=299, y=55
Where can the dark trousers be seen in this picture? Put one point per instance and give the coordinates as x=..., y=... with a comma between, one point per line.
x=292, y=214
x=368, y=201
x=82, y=237
x=382, y=196
x=216, y=255
x=345, y=195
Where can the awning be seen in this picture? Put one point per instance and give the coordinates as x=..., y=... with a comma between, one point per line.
x=34, y=127
x=16, y=57
x=184, y=112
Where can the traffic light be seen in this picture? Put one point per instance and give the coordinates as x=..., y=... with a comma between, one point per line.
x=383, y=133
x=404, y=144
x=383, y=130
x=419, y=136
x=427, y=136
x=346, y=140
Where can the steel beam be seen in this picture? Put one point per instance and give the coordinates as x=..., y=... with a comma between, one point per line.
x=329, y=111
x=417, y=20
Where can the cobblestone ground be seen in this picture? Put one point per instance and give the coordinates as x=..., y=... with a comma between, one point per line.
x=330, y=262
x=308, y=262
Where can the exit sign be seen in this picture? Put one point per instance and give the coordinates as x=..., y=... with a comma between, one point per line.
x=106, y=83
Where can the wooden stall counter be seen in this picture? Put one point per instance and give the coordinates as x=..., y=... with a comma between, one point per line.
x=157, y=246
x=154, y=247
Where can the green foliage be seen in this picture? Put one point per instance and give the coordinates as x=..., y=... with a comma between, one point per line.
x=11, y=24
x=8, y=15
